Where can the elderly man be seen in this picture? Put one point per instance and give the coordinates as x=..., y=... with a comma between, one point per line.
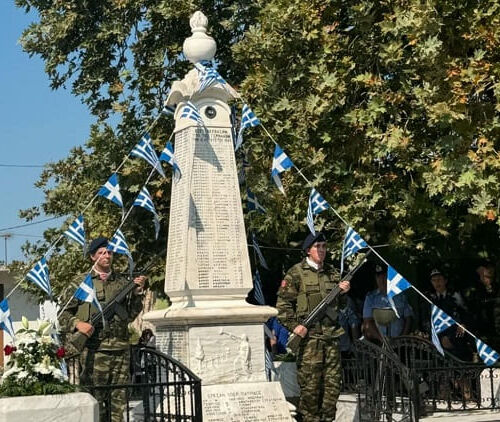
x=378, y=299
x=105, y=359
x=318, y=360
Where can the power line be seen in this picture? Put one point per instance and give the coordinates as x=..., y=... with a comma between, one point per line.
x=30, y=224
x=21, y=165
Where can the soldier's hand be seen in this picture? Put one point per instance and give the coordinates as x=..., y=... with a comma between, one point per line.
x=345, y=286
x=84, y=328
x=140, y=281
x=300, y=330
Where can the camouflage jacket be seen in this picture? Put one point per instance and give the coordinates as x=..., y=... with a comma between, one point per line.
x=115, y=336
x=300, y=292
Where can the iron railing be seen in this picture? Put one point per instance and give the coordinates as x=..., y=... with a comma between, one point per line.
x=160, y=389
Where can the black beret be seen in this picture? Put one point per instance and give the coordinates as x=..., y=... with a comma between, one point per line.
x=311, y=239
x=96, y=244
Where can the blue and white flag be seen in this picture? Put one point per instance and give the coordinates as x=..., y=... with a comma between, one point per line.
x=144, y=200
x=257, y=250
x=5, y=319
x=86, y=292
x=440, y=321
x=111, y=190
x=39, y=275
x=118, y=245
x=281, y=163
x=168, y=156
x=253, y=203
x=317, y=204
x=257, y=289
x=395, y=285
x=248, y=119
x=486, y=353
x=208, y=76
x=269, y=365
x=76, y=231
x=145, y=150
x=190, y=111
x=353, y=242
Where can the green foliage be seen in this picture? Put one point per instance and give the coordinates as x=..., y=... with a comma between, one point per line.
x=390, y=108
x=14, y=388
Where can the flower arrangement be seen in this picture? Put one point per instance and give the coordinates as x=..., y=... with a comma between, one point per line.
x=35, y=364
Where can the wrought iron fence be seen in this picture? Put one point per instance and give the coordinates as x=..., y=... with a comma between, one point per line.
x=159, y=389
x=408, y=378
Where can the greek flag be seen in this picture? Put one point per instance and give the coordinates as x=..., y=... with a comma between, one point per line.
x=144, y=149
x=190, y=111
x=168, y=156
x=353, y=242
x=111, y=190
x=253, y=203
x=208, y=76
x=281, y=163
x=257, y=250
x=144, y=200
x=248, y=119
x=395, y=285
x=86, y=292
x=118, y=245
x=257, y=289
x=5, y=319
x=486, y=353
x=76, y=231
x=39, y=275
x=317, y=204
x=440, y=321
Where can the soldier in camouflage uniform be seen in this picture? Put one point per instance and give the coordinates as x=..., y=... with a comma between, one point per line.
x=318, y=359
x=105, y=360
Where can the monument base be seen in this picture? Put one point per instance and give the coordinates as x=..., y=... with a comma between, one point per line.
x=220, y=344
x=249, y=402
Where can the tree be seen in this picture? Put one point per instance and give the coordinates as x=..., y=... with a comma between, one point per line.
x=390, y=108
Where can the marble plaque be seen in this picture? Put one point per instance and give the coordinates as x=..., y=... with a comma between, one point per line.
x=174, y=342
x=251, y=402
x=227, y=354
x=207, y=246
x=490, y=386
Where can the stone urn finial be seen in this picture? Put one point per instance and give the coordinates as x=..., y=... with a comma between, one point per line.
x=199, y=46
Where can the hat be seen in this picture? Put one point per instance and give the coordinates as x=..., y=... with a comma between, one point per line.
x=96, y=244
x=435, y=271
x=379, y=269
x=311, y=239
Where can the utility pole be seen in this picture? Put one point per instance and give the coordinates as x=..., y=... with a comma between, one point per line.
x=5, y=237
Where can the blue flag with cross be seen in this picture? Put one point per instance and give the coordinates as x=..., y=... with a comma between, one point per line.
x=208, y=76
x=39, y=275
x=190, y=111
x=486, y=353
x=86, y=292
x=76, y=231
x=145, y=150
x=168, y=156
x=145, y=201
x=353, y=242
x=248, y=119
x=253, y=203
x=118, y=245
x=317, y=204
x=396, y=284
x=5, y=318
x=281, y=163
x=111, y=190
x=440, y=321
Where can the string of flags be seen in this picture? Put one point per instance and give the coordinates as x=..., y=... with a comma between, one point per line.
x=352, y=243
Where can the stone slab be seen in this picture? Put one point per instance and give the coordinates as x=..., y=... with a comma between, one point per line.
x=73, y=407
x=250, y=402
x=490, y=385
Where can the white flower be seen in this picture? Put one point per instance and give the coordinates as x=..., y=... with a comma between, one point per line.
x=25, y=322
x=23, y=374
x=11, y=371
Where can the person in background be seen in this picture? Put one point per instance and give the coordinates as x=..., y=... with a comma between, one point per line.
x=351, y=323
x=452, y=303
x=378, y=299
x=147, y=339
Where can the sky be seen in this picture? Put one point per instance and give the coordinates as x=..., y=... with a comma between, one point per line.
x=38, y=126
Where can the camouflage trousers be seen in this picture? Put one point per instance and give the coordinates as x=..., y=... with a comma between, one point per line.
x=319, y=376
x=107, y=368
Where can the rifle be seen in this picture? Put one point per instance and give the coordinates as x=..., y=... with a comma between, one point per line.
x=77, y=340
x=322, y=309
